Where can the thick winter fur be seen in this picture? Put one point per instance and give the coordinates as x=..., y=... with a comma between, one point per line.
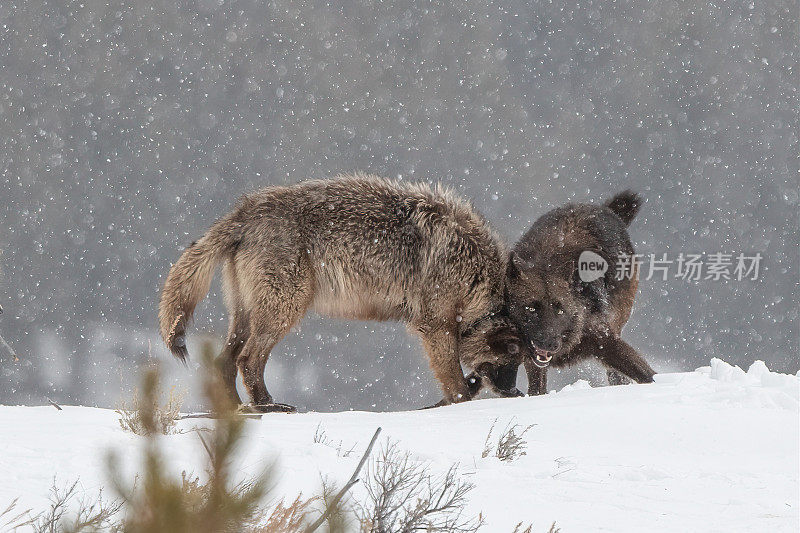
x=355, y=247
x=560, y=316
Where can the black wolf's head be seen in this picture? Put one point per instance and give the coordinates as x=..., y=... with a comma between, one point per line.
x=546, y=306
x=549, y=294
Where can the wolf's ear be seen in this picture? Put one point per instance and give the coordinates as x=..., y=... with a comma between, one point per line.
x=516, y=266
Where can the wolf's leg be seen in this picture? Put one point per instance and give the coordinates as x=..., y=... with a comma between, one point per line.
x=238, y=332
x=277, y=299
x=618, y=355
x=615, y=378
x=267, y=328
x=251, y=363
x=441, y=345
x=537, y=378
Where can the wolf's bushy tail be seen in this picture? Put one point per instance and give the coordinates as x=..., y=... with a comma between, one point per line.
x=625, y=205
x=189, y=279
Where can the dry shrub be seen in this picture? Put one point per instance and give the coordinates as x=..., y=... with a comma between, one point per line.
x=280, y=518
x=146, y=405
x=510, y=445
x=336, y=511
x=321, y=437
x=529, y=528
x=91, y=514
x=285, y=519
x=164, y=504
x=101, y=515
x=402, y=497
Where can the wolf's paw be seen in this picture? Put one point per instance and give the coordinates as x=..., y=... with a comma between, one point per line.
x=510, y=393
x=474, y=382
x=267, y=408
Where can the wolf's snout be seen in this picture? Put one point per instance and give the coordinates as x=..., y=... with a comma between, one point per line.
x=542, y=358
x=546, y=346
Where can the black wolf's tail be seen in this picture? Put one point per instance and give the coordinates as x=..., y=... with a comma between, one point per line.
x=625, y=205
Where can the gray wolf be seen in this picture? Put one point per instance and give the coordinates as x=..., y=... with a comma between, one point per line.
x=358, y=247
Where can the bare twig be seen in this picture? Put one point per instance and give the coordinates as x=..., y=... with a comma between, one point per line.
x=12, y=519
x=319, y=435
x=205, y=445
x=54, y=404
x=487, y=444
x=8, y=348
x=353, y=480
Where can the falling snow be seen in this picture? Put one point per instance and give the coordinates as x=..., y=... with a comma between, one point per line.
x=127, y=127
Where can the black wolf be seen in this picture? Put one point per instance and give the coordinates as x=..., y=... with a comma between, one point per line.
x=561, y=318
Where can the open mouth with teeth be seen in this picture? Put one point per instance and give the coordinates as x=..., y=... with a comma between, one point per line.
x=541, y=357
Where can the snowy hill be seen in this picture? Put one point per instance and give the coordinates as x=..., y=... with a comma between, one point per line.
x=711, y=450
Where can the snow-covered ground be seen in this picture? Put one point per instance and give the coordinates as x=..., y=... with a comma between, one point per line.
x=711, y=450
